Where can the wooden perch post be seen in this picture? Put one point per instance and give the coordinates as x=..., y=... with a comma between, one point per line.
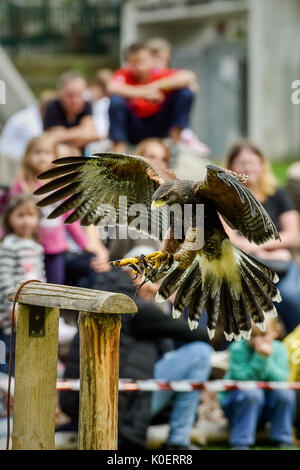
x=36, y=364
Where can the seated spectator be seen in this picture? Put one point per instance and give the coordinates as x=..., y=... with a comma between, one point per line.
x=146, y=101
x=69, y=118
x=244, y=157
x=262, y=358
x=19, y=129
x=161, y=51
x=21, y=258
x=40, y=153
x=156, y=151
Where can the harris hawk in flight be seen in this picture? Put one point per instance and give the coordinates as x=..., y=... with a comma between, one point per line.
x=232, y=286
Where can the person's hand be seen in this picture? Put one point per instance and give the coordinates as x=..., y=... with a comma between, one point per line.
x=58, y=132
x=100, y=262
x=279, y=255
x=263, y=345
x=99, y=251
x=99, y=265
x=146, y=291
x=151, y=93
x=243, y=244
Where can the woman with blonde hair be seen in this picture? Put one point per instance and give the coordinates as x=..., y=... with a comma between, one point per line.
x=245, y=157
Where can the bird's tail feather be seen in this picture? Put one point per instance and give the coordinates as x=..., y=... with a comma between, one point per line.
x=185, y=292
x=174, y=279
x=233, y=308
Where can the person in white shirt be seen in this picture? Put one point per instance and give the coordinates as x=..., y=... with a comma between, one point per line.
x=19, y=129
x=97, y=93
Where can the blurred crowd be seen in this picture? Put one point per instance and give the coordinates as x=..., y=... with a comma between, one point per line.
x=144, y=108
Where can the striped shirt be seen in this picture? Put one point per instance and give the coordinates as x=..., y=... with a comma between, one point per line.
x=20, y=260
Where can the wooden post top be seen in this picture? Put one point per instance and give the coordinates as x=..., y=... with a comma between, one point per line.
x=73, y=298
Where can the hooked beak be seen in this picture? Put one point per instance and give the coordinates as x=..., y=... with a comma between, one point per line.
x=158, y=203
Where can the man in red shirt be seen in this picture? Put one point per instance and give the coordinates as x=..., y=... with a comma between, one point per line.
x=146, y=101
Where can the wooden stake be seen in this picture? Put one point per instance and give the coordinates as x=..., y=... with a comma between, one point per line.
x=35, y=381
x=36, y=363
x=99, y=377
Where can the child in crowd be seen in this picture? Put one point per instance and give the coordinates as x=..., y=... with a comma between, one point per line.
x=263, y=359
x=161, y=52
x=156, y=151
x=40, y=153
x=21, y=257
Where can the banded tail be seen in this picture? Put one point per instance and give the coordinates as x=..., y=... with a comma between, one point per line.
x=234, y=290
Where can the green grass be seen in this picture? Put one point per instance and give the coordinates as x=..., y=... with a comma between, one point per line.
x=280, y=169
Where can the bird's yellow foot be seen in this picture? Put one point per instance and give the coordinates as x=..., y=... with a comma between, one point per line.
x=158, y=258
x=133, y=263
x=125, y=262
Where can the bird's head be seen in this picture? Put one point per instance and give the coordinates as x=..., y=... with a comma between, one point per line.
x=173, y=192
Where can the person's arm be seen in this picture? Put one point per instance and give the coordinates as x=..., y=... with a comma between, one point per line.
x=245, y=365
x=95, y=244
x=77, y=233
x=117, y=87
x=239, y=240
x=99, y=262
x=152, y=323
x=179, y=79
x=277, y=368
x=255, y=365
x=79, y=135
x=153, y=91
x=289, y=235
x=289, y=232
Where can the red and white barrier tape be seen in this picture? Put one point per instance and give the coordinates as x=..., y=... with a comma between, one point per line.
x=152, y=385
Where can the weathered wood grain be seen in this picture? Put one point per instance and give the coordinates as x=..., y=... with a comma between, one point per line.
x=73, y=298
x=36, y=363
x=99, y=377
x=35, y=383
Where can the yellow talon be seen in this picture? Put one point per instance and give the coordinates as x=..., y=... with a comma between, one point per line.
x=125, y=262
x=156, y=257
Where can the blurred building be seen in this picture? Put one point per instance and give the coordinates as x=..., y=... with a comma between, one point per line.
x=39, y=40
x=246, y=54
x=17, y=94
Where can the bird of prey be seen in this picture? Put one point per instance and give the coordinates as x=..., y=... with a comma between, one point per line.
x=232, y=286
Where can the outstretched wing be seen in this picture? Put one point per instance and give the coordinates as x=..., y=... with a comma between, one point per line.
x=93, y=185
x=237, y=205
